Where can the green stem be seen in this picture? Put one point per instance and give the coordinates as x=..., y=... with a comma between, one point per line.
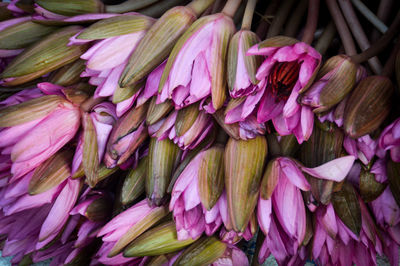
x=130, y=5
x=248, y=14
x=199, y=6
x=370, y=16
x=359, y=33
x=292, y=26
x=280, y=18
x=326, y=38
x=231, y=7
x=312, y=21
x=381, y=44
x=344, y=32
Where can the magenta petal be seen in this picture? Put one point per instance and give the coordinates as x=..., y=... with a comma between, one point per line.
x=59, y=213
x=335, y=170
x=264, y=210
x=293, y=173
x=269, y=108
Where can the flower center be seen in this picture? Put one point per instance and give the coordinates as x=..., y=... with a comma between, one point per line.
x=282, y=79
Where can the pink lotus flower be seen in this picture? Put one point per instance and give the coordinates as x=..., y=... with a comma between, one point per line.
x=286, y=72
x=167, y=128
x=103, y=117
x=363, y=148
x=117, y=228
x=196, y=69
x=390, y=140
x=281, y=211
x=106, y=60
x=334, y=243
x=232, y=256
x=31, y=143
x=190, y=215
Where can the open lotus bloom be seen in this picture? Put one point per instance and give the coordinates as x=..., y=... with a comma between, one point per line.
x=289, y=69
x=186, y=127
x=334, y=243
x=390, y=140
x=33, y=131
x=196, y=68
x=191, y=216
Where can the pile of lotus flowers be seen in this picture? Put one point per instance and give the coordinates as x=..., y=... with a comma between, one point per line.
x=202, y=132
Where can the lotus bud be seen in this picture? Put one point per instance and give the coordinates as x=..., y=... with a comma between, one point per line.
x=335, y=80
x=211, y=176
x=69, y=8
x=156, y=45
x=100, y=209
x=368, y=106
x=163, y=158
x=242, y=69
x=370, y=188
x=43, y=57
x=207, y=141
x=346, y=205
x=22, y=33
x=50, y=173
x=29, y=110
x=393, y=173
x=204, y=251
x=115, y=26
x=133, y=185
x=157, y=241
x=244, y=163
x=128, y=133
x=322, y=147
x=69, y=74
x=282, y=145
x=202, y=49
x=157, y=111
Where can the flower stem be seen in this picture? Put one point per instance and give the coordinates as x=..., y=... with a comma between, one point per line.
x=130, y=5
x=312, y=21
x=280, y=18
x=230, y=7
x=248, y=14
x=342, y=28
x=160, y=8
x=217, y=6
x=358, y=33
x=381, y=43
x=390, y=63
x=198, y=6
x=370, y=16
x=383, y=13
x=292, y=26
x=326, y=38
x=265, y=19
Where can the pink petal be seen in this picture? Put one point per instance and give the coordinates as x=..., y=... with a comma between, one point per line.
x=335, y=170
x=264, y=210
x=293, y=173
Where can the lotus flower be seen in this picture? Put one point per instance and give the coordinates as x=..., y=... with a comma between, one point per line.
x=35, y=132
x=334, y=243
x=390, y=140
x=97, y=128
x=186, y=127
x=123, y=229
x=281, y=211
x=105, y=70
x=195, y=198
x=288, y=70
x=363, y=148
x=196, y=67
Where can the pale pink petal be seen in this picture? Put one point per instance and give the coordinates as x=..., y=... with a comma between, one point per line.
x=335, y=170
x=293, y=173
